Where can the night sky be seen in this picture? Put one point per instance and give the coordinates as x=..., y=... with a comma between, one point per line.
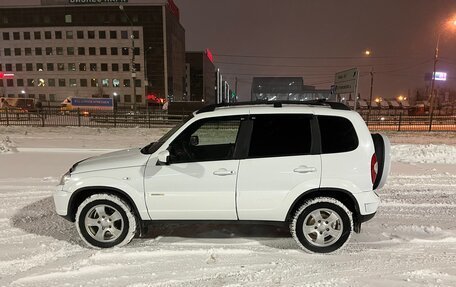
x=321, y=37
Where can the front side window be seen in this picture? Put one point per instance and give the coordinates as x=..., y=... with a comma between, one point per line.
x=337, y=135
x=280, y=135
x=206, y=140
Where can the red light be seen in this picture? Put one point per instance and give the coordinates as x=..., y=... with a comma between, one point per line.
x=374, y=168
x=209, y=55
x=6, y=76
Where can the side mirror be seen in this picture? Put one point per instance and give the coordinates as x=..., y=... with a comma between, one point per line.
x=163, y=157
x=194, y=140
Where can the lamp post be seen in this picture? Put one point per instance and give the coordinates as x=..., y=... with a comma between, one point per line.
x=449, y=24
x=146, y=75
x=133, y=63
x=114, y=98
x=368, y=53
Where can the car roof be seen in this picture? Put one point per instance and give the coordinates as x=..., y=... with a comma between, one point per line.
x=273, y=107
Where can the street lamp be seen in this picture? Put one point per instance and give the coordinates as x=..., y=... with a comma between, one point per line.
x=133, y=64
x=448, y=25
x=368, y=53
x=146, y=76
x=114, y=98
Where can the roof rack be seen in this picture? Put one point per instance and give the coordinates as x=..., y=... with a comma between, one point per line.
x=276, y=104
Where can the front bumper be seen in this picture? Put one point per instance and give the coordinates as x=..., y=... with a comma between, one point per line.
x=61, y=199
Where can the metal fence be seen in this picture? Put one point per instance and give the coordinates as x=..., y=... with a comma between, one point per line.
x=147, y=118
x=54, y=117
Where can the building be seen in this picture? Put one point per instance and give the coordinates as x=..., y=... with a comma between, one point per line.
x=200, y=77
x=125, y=49
x=285, y=89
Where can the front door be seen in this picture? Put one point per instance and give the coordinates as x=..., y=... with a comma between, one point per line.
x=200, y=180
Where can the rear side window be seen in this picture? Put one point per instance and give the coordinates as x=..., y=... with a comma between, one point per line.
x=337, y=134
x=280, y=135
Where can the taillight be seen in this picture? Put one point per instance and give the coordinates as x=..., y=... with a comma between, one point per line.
x=374, y=168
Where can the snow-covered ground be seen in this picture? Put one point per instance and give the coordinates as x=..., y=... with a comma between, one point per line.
x=411, y=241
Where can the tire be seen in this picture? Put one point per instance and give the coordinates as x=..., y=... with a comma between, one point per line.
x=322, y=225
x=105, y=221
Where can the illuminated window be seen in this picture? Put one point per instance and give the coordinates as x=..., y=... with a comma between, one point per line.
x=71, y=67
x=73, y=83
x=105, y=82
x=115, y=83
x=94, y=83
x=41, y=83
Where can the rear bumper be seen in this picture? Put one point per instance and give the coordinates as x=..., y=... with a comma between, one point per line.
x=364, y=218
x=367, y=202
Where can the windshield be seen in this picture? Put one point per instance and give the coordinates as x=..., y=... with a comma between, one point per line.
x=153, y=147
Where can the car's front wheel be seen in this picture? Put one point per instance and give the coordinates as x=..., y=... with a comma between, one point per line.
x=322, y=225
x=105, y=220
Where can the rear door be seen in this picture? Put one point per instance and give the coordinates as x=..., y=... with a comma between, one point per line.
x=281, y=164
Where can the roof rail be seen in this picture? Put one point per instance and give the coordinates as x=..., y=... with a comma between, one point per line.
x=276, y=104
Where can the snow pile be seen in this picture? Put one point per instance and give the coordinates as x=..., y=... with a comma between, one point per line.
x=430, y=153
x=7, y=146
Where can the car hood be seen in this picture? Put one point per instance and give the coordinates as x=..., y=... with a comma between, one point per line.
x=117, y=159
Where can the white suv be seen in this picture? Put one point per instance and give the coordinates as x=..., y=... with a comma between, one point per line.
x=314, y=166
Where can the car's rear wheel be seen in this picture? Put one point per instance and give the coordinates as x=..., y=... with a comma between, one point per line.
x=105, y=220
x=322, y=225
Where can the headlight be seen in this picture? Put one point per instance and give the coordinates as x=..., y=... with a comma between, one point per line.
x=65, y=178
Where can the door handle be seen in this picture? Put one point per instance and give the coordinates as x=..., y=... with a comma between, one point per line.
x=305, y=169
x=223, y=172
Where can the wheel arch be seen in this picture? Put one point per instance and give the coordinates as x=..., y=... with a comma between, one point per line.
x=344, y=196
x=81, y=194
